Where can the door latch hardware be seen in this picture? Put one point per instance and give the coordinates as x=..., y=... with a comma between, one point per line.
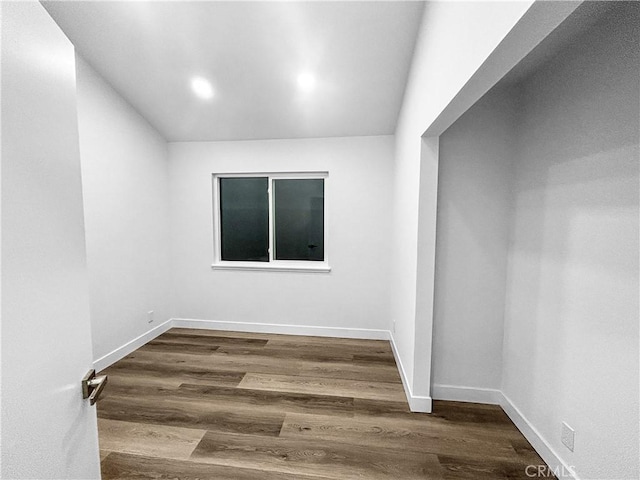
x=93, y=385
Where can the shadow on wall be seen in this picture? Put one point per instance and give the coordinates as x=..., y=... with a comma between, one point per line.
x=571, y=329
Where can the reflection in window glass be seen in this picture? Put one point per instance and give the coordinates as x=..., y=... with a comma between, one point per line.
x=299, y=219
x=244, y=219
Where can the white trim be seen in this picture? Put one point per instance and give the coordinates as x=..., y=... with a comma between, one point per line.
x=271, y=249
x=537, y=441
x=419, y=404
x=403, y=374
x=309, y=266
x=129, y=347
x=308, y=330
x=288, y=174
x=416, y=403
x=457, y=393
x=275, y=266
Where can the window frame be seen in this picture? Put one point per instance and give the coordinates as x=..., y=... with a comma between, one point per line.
x=310, y=266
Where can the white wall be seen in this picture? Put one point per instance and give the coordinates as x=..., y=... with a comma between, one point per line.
x=48, y=430
x=358, y=197
x=455, y=39
x=571, y=331
x=473, y=225
x=464, y=48
x=1, y=15
x=126, y=198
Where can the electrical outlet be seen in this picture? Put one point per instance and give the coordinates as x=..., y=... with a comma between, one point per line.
x=568, y=436
x=394, y=326
x=150, y=316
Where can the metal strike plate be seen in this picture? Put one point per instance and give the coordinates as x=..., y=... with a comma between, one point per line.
x=93, y=385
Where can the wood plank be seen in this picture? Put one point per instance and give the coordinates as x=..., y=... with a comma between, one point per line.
x=327, y=386
x=283, y=339
x=145, y=439
x=163, y=346
x=266, y=364
x=410, y=435
x=173, y=373
x=525, y=451
x=267, y=400
x=330, y=341
x=309, y=457
x=315, y=354
x=457, y=468
x=290, y=407
x=230, y=363
x=126, y=379
x=215, y=340
x=445, y=415
x=227, y=333
x=121, y=466
x=227, y=398
x=338, y=348
x=471, y=414
x=369, y=359
x=381, y=408
x=319, y=353
x=189, y=414
x=379, y=373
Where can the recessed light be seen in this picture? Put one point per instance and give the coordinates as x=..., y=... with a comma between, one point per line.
x=202, y=88
x=306, y=81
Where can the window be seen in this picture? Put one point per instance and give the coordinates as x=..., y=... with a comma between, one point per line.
x=270, y=221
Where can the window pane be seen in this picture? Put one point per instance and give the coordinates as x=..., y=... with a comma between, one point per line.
x=244, y=219
x=299, y=219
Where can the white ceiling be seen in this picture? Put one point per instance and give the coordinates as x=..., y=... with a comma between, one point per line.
x=252, y=52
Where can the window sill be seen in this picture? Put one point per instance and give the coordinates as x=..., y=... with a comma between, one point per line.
x=273, y=267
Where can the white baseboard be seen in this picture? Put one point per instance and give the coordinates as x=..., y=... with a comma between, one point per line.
x=127, y=348
x=457, y=393
x=416, y=402
x=537, y=441
x=338, y=332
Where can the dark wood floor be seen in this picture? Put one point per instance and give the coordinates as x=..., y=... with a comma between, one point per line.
x=197, y=404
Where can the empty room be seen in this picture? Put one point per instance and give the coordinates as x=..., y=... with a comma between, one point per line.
x=320, y=240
